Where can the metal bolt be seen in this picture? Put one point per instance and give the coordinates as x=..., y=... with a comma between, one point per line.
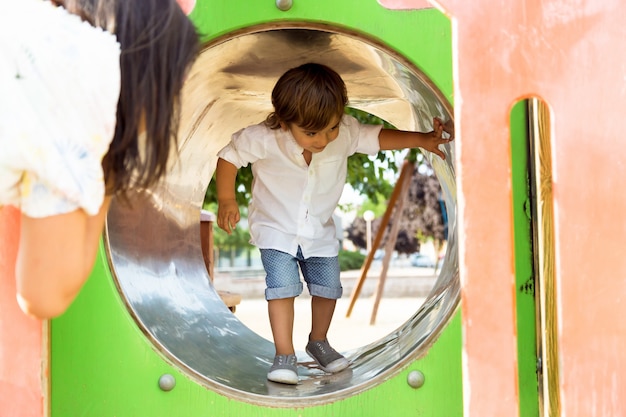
x=167, y=382
x=284, y=5
x=415, y=379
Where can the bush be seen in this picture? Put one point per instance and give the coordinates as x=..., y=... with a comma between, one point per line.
x=349, y=260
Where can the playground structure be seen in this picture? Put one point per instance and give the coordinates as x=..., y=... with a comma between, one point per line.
x=149, y=310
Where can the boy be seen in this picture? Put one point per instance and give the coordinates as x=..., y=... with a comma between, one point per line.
x=299, y=162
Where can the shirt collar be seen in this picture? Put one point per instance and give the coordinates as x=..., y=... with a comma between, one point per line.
x=292, y=145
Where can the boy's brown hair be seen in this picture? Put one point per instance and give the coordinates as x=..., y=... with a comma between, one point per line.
x=309, y=96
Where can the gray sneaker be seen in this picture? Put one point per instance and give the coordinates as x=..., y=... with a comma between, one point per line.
x=284, y=369
x=326, y=357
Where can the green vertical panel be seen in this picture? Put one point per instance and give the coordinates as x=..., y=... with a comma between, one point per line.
x=524, y=275
x=101, y=363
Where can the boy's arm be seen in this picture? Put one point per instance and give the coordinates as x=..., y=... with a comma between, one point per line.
x=227, y=210
x=398, y=139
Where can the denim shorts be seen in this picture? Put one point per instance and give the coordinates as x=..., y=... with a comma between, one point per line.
x=283, y=277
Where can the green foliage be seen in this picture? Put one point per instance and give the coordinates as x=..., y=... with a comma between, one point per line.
x=349, y=260
x=378, y=208
x=243, y=185
x=366, y=178
x=364, y=174
x=238, y=239
x=367, y=118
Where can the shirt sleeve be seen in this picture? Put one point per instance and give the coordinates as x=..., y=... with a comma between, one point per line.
x=363, y=137
x=246, y=146
x=58, y=124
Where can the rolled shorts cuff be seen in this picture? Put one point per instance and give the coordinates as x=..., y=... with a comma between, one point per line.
x=325, y=292
x=283, y=292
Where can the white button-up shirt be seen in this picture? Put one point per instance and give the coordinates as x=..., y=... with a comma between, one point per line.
x=292, y=202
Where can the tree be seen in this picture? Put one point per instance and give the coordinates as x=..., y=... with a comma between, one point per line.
x=229, y=243
x=422, y=217
x=223, y=242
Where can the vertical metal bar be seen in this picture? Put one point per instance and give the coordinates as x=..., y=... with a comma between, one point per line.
x=541, y=173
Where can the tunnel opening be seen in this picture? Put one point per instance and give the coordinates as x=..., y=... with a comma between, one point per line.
x=154, y=248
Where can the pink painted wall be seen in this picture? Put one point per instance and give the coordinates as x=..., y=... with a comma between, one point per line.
x=21, y=350
x=571, y=54
x=405, y=4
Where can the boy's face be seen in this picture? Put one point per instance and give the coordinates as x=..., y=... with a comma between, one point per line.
x=315, y=141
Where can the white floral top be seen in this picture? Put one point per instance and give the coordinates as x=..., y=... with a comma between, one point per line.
x=59, y=87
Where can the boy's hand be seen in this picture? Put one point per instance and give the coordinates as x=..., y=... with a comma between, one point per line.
x=448, y=127
x=228, y=215
x=434, y=138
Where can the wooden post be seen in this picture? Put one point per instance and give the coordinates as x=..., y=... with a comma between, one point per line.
x=206, y=237
x=391, y=242
x=407, y=170
x=232, y=300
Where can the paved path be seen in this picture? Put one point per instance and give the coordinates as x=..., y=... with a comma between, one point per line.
x=345, y=333
x=404, y=292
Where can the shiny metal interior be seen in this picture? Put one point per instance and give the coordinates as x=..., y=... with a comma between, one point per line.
x=154, y=246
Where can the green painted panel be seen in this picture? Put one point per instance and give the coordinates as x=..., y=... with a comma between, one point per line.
x=524, y=275
x=103, y=365
x=423, y=36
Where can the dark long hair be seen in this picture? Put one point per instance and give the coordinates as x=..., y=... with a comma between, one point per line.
x=158, y=45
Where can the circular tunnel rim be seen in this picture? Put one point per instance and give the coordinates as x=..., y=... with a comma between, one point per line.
x=395, y=366
x=339, y=30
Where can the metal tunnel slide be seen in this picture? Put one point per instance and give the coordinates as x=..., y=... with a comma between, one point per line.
x=154, y=245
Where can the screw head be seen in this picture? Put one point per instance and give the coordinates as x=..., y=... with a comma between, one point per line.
x=415, y=379
x=284, y=5
x=167, y=382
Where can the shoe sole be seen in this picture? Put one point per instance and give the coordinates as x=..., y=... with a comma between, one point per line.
x=335, y=366
x=283, y=376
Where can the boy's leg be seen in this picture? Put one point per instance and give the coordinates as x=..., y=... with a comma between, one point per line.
x=322, y=310
x=285, y=368
x=318, y=348
x=283, y=285
x=322, y=277
x=281, y=314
